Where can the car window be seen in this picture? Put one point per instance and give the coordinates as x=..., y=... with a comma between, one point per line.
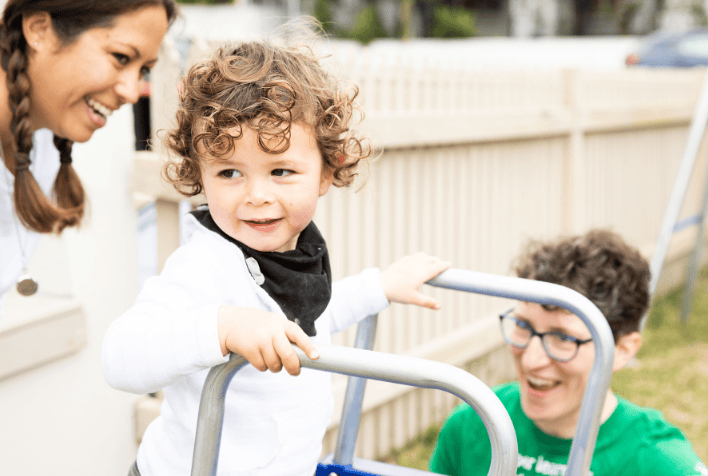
x=694, y=46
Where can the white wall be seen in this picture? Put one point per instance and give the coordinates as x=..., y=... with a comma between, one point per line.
x=63, y=419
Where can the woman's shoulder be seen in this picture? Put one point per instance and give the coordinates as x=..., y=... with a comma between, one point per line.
x=662, y=447
x=647, y=420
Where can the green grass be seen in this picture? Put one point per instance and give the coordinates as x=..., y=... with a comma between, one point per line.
x=669, y=374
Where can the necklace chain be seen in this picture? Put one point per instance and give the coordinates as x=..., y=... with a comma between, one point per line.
x=26, y=284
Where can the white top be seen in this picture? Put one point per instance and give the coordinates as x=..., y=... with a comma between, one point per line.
x=273, y=423
x=17, y=243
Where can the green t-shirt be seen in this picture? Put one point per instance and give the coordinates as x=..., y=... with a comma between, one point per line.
x=633, y=441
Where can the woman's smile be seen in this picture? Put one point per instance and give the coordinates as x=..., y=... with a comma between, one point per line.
x=97, y=111
x=98, y=119
x=541, y=386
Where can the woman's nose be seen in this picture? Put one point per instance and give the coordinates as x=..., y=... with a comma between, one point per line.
x=534, y=354
x=128, y=87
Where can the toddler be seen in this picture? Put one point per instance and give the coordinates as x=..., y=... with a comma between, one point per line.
x=263, y=131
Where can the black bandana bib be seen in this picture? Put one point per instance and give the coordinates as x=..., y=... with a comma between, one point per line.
x=300, y=281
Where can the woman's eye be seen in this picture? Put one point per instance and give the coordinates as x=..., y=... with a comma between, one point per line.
x=122, y=59
x=229, y=173
x=282, y=172
x=144, y=73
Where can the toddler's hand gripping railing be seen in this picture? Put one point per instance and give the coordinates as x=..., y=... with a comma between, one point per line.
x=423, y=373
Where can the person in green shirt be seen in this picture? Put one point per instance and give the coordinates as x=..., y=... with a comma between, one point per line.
x=552, y=372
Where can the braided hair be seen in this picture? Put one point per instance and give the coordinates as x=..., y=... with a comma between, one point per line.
x=70, y=18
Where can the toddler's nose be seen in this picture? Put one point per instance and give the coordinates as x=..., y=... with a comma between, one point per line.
x=259, y=192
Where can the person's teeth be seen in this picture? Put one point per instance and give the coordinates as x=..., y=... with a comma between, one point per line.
x=99, y=108
x=540, y=383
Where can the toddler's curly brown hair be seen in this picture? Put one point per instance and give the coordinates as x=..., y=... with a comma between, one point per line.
x=267, y=88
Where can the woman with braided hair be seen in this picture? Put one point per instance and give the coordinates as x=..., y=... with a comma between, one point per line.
x=66, y=66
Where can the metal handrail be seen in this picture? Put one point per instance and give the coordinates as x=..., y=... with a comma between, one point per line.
x=372, y=365
x=552, y=294
x=335, y=359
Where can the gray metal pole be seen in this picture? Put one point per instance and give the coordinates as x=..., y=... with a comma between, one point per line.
x=695, y=137
x=694, y=259
x=545, y=293
x=210, y=420
x=354, y=398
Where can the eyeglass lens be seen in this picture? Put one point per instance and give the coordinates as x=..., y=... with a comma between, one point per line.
x=558, y=346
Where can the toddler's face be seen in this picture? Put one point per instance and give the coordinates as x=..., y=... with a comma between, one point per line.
x=265, y=200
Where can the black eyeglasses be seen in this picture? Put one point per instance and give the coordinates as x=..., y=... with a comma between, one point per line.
x=558, y=346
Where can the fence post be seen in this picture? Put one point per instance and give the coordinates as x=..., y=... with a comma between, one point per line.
x=573, y=186
x=163, y=97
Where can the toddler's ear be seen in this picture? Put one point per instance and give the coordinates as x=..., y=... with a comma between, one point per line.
x=326, y=181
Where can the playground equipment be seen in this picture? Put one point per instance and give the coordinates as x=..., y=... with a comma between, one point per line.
x=669, y=225
x=361, y=364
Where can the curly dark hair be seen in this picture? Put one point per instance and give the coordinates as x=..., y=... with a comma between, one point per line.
x=601, y=266
x=266, y=88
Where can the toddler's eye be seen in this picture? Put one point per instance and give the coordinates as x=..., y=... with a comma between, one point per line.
x=282, y=172
x=229, y=173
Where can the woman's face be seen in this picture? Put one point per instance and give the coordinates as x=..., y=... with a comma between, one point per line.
x=75, y=87
x=552, y=391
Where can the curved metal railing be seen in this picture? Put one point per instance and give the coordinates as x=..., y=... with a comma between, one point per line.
x=429, y=374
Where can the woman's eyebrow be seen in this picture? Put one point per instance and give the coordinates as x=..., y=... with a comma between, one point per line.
x=136, y=52
x=566, y=331
x=558, y=329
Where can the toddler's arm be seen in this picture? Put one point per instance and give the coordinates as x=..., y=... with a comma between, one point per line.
x=180, y=325
x=371, y=291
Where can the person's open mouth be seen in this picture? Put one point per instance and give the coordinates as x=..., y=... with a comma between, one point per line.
x=98, y=112
x=541, y=385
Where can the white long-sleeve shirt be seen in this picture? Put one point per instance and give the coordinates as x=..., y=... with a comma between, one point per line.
x=273, y=423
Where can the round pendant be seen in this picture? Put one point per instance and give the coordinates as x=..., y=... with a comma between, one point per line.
x=26, y=285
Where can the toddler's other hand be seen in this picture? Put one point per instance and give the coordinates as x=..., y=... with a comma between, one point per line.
x=402, y=279
x=263, y=338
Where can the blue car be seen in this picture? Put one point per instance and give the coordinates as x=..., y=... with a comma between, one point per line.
x=672, y=50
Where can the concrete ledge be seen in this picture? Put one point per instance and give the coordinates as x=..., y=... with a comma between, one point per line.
x=38, y=330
